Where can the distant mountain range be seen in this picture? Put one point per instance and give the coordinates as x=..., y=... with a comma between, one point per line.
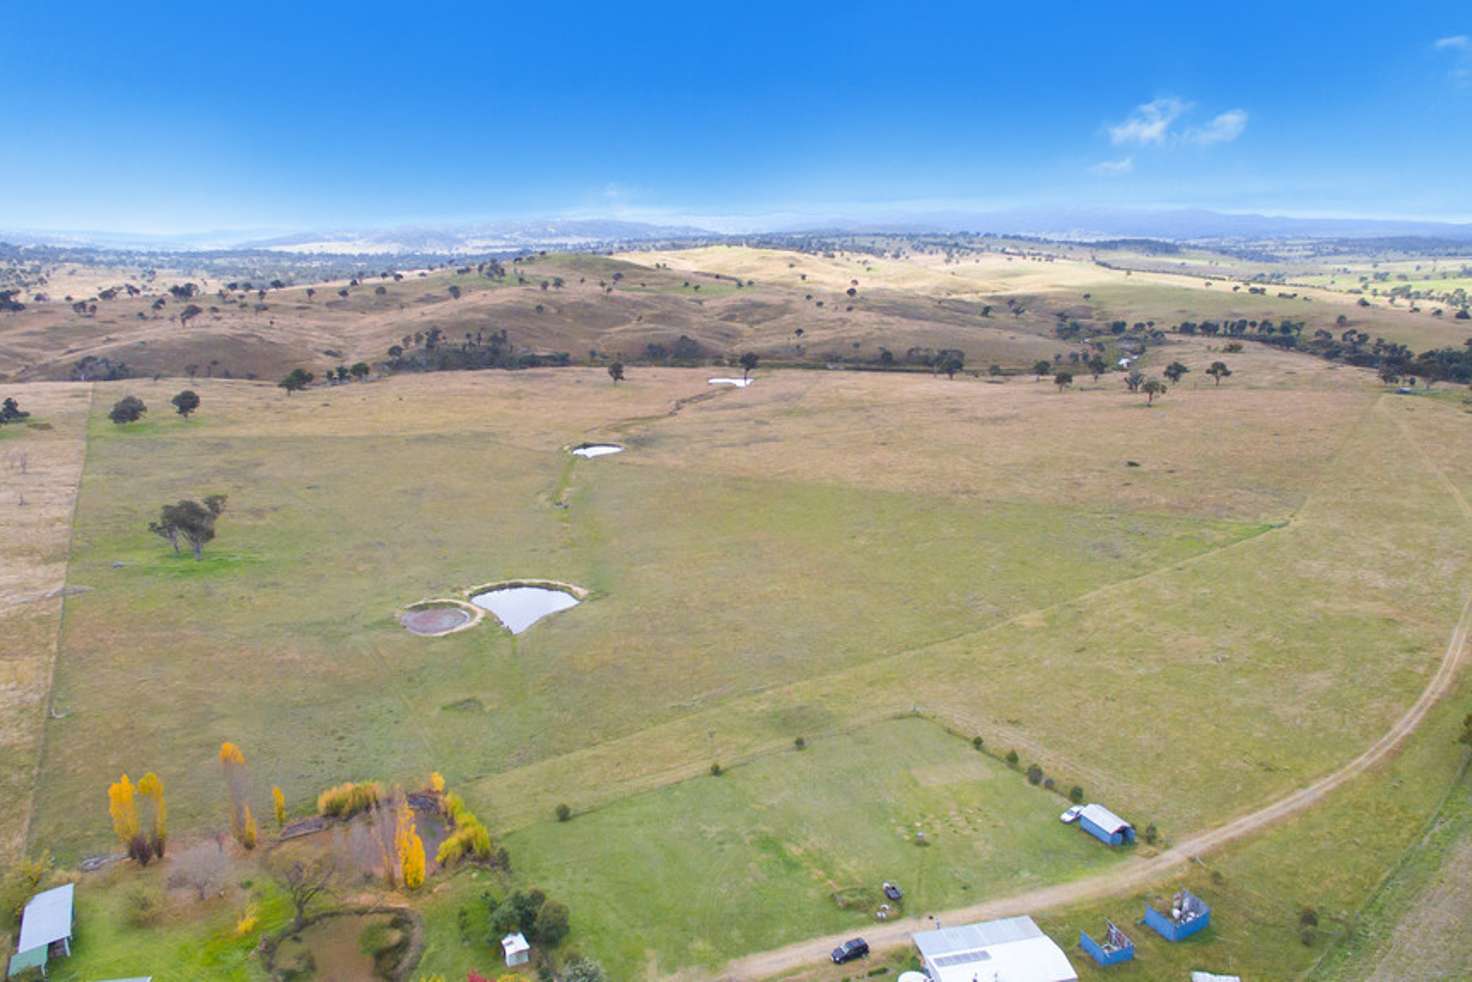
x=1173, y=224
x=513, y=235
x=469, y=238
x=480, y=237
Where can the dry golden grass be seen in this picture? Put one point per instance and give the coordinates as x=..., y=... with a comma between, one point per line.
x=42, y=468
x=1199, y=447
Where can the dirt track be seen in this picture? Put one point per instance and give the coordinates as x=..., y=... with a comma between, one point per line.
x=1136, y=873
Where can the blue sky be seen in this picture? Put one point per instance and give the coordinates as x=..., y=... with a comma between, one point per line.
x=172, y=118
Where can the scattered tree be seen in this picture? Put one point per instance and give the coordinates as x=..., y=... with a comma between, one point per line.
x=1174, y=371
x=296, y=380
x=1040, y=368
x=950, y=362
x=185, y=402
x=128, y=409
x=1063, y=380
x=1219, y=371
x=616, y=372
x=192, y=520
x=360, y=370
x=10, y=412
x=1152, y=387
x=748, y=363
x=303, y=882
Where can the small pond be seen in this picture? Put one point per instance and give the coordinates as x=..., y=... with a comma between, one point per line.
x=519, y=607
x=435, y=620
x=597, y=449
x=740, y=383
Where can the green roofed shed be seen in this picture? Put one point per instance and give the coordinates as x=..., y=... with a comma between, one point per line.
x=35, y=958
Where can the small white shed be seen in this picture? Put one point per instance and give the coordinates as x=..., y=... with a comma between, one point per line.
x=515, y=948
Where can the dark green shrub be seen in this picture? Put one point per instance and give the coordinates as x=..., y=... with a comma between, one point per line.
x=1034, y=774
x=977, y=742
x=1012, y=758
x=1076, y=794
x=551, y=924
x=563, y=813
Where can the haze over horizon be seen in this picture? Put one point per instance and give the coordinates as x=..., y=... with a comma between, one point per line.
x=187, y=121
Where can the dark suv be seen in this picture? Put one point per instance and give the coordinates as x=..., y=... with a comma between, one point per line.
x=849, y=950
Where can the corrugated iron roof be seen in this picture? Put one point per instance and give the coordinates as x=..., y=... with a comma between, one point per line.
x=1104, y=818
x=969, y=937
x=47, y=918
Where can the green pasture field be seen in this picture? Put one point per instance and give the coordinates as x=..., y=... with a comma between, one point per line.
x=798, y=843
x=1188, y=609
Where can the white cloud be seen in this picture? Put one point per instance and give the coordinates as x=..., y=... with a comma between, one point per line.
x=1460, y=48
x=1149, y=123
x=1225, y=128
x=1114, y=168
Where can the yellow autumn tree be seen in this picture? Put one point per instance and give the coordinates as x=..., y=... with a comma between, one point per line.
x=278, y=801
x=437, y=782
x=123, y=807
x=410, y=848
x=248, y=831
x=232, y=760
x=151, y=787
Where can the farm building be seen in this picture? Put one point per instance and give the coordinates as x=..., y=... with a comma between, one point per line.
x=46, y=924
x=1106, y=826
x=1013, y=949
x=1115, y=948
x=1188, y=914
x=515, y=948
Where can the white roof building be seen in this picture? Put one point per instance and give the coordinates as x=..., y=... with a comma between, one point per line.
x=515, y=948
x=47, y=918
x=1104, y=818
x=1013, y=949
